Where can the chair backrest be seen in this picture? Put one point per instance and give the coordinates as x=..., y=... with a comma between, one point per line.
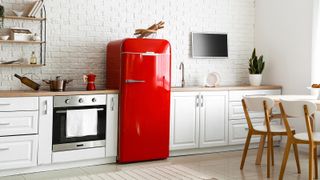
x=255, y=103
x=297, y=109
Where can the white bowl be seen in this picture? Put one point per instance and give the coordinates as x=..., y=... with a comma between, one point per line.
x=4, y=38
x=18, y=13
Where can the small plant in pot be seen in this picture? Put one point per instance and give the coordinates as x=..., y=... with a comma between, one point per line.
x=1, y=16
x=256, y=66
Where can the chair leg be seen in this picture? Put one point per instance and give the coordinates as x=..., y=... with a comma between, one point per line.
x=245, y=150
x=315, y=157
x=269, y=154
x=260, y=150
x=296, y=155
x=272, y=152
x=285, y=159
x=311, y=159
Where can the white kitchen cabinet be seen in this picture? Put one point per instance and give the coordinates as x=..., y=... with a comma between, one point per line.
x=184, y=120
x=19, y=104
x=213, y=119
x=198, y=119
x=45, y=129
x=18, y=151
x=238, y=127
x=112, y=125
x=238, y=131
x=238, y=95
x=19, y=122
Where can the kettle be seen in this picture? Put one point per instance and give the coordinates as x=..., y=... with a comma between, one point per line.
x=89, y=79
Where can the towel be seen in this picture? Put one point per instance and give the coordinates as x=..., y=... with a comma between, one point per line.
x=81, y=123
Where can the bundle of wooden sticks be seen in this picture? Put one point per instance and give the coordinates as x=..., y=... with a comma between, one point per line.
x=142, y=33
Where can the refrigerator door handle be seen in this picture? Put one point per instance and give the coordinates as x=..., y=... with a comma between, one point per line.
x=149, y=54
x=134, y=81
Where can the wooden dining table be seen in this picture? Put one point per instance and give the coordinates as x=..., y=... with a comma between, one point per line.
x=277, y=99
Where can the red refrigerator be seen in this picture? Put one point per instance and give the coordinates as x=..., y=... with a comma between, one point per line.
x=140, y=69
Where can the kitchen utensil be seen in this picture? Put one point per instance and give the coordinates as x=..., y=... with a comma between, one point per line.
x=212, y=79
x=5, y=37
x=58, y=84
x=13, y=62
x=90, y=78
x=28, y=82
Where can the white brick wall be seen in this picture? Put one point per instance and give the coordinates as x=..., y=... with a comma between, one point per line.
x=78, y=31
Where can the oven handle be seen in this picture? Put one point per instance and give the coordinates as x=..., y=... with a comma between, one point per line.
x=63, y=111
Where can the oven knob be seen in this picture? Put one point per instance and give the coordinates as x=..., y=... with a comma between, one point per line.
x=67, y=101
x=94, y=100
x=80, y=100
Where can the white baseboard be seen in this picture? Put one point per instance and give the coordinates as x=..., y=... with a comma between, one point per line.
x=58, y=166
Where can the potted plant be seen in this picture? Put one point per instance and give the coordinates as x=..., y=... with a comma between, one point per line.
x=256, y=66
x=1, y=16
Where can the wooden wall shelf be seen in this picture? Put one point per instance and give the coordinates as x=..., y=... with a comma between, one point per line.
x=24, y=18
x=23, y=42
x=21, y=65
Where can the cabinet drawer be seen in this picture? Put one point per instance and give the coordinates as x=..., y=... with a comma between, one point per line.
x=19, y=104
x=21, y=122
x=238, y=95
x=238, y=131
x=18, y=151
x=236, y=111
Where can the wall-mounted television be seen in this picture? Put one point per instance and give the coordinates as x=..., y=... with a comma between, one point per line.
x=209, y=45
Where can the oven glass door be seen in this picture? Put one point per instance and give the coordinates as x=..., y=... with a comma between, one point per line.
x=60, y=120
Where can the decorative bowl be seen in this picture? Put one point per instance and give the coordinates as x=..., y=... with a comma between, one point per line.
x=4, y=38
x=18, y=13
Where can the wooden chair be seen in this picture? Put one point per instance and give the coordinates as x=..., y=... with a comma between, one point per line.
x=300, y=109
x=263, y=104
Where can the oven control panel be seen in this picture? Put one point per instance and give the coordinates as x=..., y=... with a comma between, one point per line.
x=79, y=100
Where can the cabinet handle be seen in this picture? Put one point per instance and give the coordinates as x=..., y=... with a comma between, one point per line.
x=197, y=101
x=112, y=104
x=4, y=124
x=5, y=104
x=254, y=95
x=201, y=100
x=4, y=149
x=45, y=107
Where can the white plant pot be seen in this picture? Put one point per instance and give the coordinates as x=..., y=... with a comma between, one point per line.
x=255, y=79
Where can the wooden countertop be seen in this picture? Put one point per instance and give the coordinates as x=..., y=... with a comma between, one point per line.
x=30, y=93
x=223, y=88
x=19, y=93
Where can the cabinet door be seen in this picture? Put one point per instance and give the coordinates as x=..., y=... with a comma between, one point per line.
x=18, y=151
x=112, y=125
x=213, y=119
x=45, y=129
x=184, y=120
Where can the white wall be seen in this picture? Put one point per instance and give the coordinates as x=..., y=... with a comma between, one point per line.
x=78, y=31
x=283, y=32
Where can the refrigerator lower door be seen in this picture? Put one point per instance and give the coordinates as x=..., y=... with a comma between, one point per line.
x=145, y=107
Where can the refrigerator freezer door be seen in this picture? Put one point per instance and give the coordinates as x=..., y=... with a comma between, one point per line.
x=145, y=107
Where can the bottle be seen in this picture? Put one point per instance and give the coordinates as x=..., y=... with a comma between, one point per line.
x=28, y=82
x=33, y=58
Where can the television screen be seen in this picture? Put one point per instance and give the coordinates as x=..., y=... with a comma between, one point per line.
x=209, y=45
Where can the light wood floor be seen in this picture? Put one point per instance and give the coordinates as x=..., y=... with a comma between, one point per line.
x=222, y=166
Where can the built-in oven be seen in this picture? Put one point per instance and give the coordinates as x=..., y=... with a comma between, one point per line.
x=73, y=115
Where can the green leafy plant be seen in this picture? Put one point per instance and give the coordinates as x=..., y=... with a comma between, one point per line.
x=1, y=16
x=256, y=65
